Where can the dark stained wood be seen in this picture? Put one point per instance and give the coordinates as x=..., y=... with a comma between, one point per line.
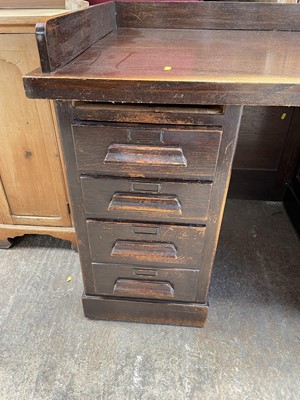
x=147, y=203
x=61, y=39
x=208, y=15
x=267, y=153
x=169, y=313
x=182, y=281
x=40, y=34
x=65, y=116
x=138, y=289
x=207, y=67
x=142, y=192
x=144, y=244
x=254, y=184
x=142, y=250
x=215, y=211
x=117, y=198
x=262, y=135
x=253, y=67
x=292, y=202
x=290, y=159
x=150, y=114
x=135, y=154
x=226, y=93
x=218, y=199
x=138, y=150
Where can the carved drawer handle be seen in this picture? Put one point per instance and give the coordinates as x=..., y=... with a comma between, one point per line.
x=145, y=155
x=145, y=202
x=137, y=288
x=146, y=250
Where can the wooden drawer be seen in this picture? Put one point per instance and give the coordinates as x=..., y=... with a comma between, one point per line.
x=147, y=200
x=150, y=113
x=144, y=244
x=151, y=283
x=114, y=149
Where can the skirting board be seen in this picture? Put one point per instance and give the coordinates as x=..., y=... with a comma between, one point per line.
x=146, y=311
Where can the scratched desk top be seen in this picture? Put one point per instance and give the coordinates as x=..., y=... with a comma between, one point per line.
x=179, y=66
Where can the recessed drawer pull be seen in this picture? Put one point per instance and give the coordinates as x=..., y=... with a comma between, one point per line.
x=141, y=250
x=145, y=230
x=150, y=273
x=145, y=155
x=157, y=290
x=145, y=187
x=144, y=202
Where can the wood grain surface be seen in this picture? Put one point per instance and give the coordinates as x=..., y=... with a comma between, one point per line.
x=180, y=67
x=177, y=151
x=266, y=57
x=62, y=39
x=25, y=20
x=65, y=116
x=150, y=114
x=262, y=136
x=218, y=198
x=179, y=201
x=144, y=244
x=8, y=232
x=138, y=289
x=182, y=281
x=32, y=186
x=23, y=4
x=154, y=312
x=208, y=15
x=145, y=174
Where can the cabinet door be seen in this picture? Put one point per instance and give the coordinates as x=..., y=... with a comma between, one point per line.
x=32, y=187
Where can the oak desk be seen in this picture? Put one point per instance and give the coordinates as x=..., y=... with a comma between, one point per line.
x=149, y=98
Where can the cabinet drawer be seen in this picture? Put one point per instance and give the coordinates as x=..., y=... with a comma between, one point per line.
x=148, y=200
x=150, y=113
x=151, y=283
x=141, y=244
x=148, y=152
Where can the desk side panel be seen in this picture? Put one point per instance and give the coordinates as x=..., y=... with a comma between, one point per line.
x=218, y=198
x=65, y=115
x=63, y=38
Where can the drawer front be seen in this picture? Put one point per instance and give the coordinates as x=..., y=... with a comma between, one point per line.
x=150, y=114
x=148, y=200
x=147, y=152
x=144, y=244
x=141, y=282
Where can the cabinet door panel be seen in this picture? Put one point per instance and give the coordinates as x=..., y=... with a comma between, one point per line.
x=30, y=167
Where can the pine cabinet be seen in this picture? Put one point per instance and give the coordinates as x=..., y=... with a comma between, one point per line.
x=33, y=191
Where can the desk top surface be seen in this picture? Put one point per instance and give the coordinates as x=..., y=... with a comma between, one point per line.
x=179, y=66
x=190, y=55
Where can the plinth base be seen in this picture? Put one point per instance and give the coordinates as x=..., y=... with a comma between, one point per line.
x=146, y=311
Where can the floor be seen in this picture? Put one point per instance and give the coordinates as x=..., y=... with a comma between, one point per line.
x=249, y=349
